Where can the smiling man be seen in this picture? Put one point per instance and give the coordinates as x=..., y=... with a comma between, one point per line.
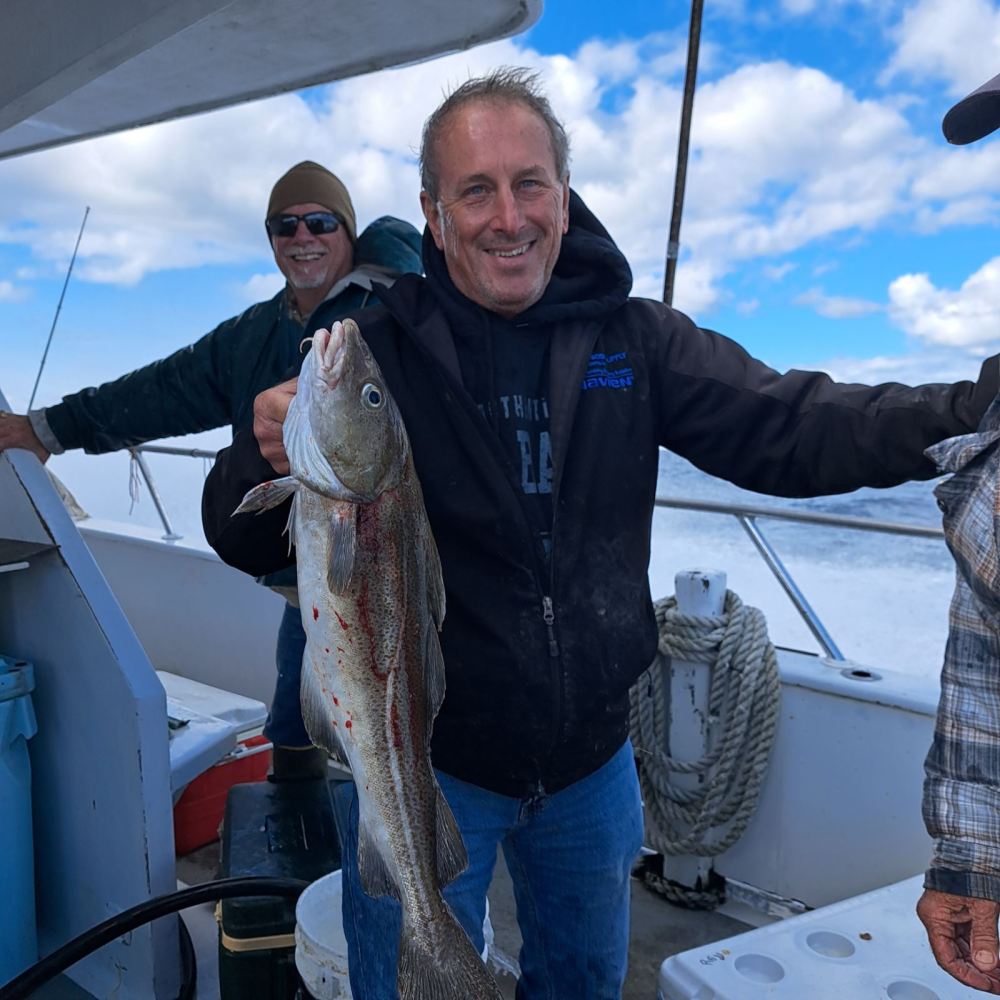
x=536, y=393
x=330, y=272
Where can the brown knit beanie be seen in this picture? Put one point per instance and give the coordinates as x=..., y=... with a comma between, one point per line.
x=309, y=182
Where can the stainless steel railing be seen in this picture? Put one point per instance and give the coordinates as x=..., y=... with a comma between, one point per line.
x=746, y=514
x=147, y=475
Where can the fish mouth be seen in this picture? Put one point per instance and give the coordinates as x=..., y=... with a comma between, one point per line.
x=329, y=348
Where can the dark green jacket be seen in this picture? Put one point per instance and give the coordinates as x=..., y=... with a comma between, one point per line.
x=213, y=382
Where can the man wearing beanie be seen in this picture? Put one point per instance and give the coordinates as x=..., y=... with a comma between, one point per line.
x=961, y=901
x=330, y=272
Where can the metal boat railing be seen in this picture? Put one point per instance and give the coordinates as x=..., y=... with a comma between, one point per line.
x=147, y=475
x=746, y=514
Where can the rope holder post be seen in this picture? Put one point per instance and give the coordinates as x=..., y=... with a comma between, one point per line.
x=700, y=593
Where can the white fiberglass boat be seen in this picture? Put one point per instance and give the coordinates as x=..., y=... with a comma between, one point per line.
x=96, y=607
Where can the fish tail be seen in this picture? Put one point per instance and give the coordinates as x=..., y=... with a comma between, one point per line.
x=456, y=973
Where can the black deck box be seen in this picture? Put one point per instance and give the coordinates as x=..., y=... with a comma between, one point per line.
x=285, y=829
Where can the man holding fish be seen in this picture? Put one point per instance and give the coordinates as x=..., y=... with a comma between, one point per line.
x=535, y=394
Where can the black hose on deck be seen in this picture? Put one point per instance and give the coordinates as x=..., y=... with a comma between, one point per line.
x=22, y=986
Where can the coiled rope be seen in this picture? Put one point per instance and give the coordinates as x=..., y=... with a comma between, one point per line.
x=744, y=699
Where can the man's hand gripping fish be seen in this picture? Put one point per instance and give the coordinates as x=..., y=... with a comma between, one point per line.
x=373, y=676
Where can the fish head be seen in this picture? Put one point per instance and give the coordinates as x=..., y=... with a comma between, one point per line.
x=346, y=433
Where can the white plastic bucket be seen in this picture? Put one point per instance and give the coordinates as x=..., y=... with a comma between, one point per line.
x=320, y=945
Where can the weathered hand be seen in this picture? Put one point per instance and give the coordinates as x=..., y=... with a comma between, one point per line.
x=16, y=432
x=269, y=410
x=962, y=931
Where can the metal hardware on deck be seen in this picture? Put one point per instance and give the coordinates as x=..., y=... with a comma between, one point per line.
x=147, y=475
x=747, y=514
x=164, y=449
x=777, y=567
x=171, y=535
x=10, y=567
x=763, y=900
x=801, y=517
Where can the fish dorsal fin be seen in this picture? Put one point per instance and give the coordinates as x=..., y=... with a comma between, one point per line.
x=267, y=495
x=435, y=584
x=375, y=877
x=452, y=858
x=340, y=558
x=433, y=676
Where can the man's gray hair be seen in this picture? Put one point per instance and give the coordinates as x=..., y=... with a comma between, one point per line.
x=506, y=84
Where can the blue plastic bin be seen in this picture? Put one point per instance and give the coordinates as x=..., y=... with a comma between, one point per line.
x=18, y=941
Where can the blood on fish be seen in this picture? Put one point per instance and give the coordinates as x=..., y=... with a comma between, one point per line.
x=336, y=700
x=397, y=732
x=315, y=613
x=348, y=724
x=369, y=630
x=343, y=624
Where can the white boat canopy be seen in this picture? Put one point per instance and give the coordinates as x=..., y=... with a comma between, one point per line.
x=75, y=70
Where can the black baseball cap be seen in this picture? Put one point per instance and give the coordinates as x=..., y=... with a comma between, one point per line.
x=974, y=116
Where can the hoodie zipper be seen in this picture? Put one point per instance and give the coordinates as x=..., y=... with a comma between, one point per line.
x=549, y=617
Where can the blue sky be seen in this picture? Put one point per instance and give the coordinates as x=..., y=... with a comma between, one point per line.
x=827, y=224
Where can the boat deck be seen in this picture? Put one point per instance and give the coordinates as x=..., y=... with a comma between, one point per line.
x=659, y=929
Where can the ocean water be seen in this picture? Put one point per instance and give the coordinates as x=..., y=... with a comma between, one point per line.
x=883, y=598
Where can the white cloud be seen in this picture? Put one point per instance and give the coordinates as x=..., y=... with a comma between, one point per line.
x=777, y=272
x=965, y=318
x=9, y=292
x=910, y=369
x=837, y=306
x=261, y=287
x=800, y=8
x=955, y=41
x=781, y=157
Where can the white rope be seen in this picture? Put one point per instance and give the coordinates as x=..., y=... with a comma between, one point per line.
x=744, y=698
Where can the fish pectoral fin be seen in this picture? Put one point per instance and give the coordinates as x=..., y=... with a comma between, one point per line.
x=452, y=858
x=340, y=558
x=316, y=714
x=267, y=495
x=375, y=877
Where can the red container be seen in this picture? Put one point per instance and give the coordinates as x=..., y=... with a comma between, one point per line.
x=198, y=812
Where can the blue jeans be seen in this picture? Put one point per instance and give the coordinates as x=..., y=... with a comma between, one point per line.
x=284, y=726
x=570, y=856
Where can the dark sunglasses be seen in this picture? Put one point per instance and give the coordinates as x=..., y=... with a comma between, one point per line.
x=318, y=223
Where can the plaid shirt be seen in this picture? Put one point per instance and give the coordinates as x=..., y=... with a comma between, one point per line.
x=962, y=785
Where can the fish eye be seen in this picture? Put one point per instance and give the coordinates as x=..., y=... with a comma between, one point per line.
x=372, y=395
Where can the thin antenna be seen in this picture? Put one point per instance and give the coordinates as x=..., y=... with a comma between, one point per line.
x=55, y=319
x=680, y=177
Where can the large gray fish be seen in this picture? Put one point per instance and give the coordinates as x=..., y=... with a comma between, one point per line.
x=372, y=601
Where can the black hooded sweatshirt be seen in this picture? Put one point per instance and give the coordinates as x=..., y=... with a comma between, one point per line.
x=549, y=619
